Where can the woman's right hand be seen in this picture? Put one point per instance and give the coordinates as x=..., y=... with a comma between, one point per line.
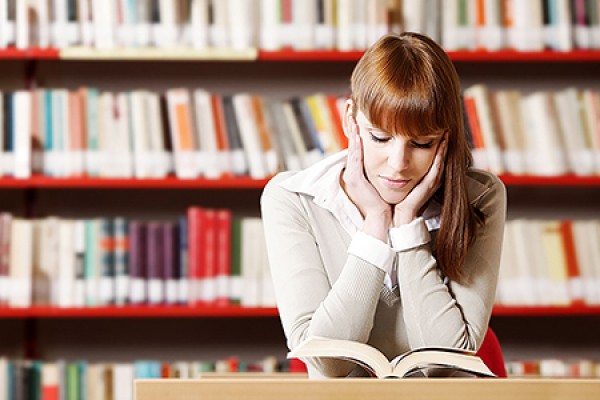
x=376, y=212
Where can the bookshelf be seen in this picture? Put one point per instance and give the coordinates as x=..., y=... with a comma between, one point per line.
x=186, y=332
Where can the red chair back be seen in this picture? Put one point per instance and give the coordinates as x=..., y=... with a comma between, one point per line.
x=491, y=354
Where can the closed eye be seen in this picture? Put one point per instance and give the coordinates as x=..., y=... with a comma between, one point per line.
x=426, y=145
x=379, y=139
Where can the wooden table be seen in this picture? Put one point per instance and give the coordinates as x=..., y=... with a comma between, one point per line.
x=361, y=389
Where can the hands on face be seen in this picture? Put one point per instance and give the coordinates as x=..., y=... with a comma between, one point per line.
x=409, y=208
x=378, y=214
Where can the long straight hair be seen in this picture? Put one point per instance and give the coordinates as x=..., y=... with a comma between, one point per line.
x=407, y=85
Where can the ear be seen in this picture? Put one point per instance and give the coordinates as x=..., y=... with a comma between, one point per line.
x=348, y=119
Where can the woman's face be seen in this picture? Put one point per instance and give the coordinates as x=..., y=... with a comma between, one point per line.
x=394, y=164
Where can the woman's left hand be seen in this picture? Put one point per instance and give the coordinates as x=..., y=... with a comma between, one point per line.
x=408, y=209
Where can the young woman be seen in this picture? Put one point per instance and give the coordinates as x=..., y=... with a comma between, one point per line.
x=396, y=241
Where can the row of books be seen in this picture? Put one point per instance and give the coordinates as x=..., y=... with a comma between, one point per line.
x=540, y=133
x=550, y=262
x=81, y=380
x=205, y=258
x=300, y=24
x=145, y=134
x=194, y=133
x=553, y=368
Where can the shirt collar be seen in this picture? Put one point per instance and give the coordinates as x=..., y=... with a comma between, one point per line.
x=321, y=181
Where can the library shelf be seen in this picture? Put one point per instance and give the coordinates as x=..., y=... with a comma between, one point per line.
x=254, y=54
x=164, y=311
x=457, y=56
x=28, y=54
x=157, y=54
x=144, y=311
x=242, y=182
x=171, y=182
x=546, y=311
x=549, y=181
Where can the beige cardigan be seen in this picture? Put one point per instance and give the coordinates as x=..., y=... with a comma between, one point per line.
x=323, y=291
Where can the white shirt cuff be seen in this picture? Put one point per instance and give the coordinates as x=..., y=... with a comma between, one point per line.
x=372, y=250
x=409, y=236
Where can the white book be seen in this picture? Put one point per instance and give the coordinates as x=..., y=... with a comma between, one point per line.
x=270, y=23
x=359, y=24
x=60, y=38
x=555, y=262
x=72, y=29
x=450, y=36
x=578, y=150
x=104, y=24
x=5, y=237
x=490, y=35
x=66, y=264
x=162, y=160
x=182, y=133
x=44, y=277
x=22, y=25
x=559, y=34
x=251, y=270
x=50, y=242
x=250, y=136
x=420, y=362
x=122, y=382
x=526, y=33
x=304, y=23
x=510, y=123
x=63, y=161
x=20, y=262
x=377, y=20
x=125, y=18
x=593, y=234
x=140, y=134
x=206, y=134
x=519, y=284
x=539, y=263
x=218, y=30
x=414, y=16
x=166, y=36
x=91, y=153
x=22, y=134
x=79, y=259
x=589, y=103
x=86, y=23
x=345, y=25
x=241, y=23
x=119, y=162
x=4, y=24
x=199, y=23
x=545, y=154
x=43, y=23
x=106, y=132
x=431, y=23
x=583, y=251
x=143, y=25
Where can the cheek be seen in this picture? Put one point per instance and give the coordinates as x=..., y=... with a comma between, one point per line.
x=424, y=162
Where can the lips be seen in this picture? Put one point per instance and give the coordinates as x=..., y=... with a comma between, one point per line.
x=394, y=183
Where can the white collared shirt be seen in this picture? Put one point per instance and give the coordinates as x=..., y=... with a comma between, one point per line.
x=322, y=182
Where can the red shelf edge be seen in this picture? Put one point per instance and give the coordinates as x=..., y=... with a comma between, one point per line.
x=243, y=182
x=138, y=312
x=550, y=311
x=248, y=312
x=336, y=55
x=126, y=183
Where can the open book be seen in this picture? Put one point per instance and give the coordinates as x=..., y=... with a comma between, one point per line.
x=422, y=362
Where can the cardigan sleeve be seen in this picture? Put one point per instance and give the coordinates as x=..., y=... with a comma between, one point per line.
x=309, y=305
x=439, y=312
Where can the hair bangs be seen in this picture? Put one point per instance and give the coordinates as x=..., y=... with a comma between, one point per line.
x=401, y=101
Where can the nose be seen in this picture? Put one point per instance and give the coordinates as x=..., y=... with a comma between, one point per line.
x=399, y=154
